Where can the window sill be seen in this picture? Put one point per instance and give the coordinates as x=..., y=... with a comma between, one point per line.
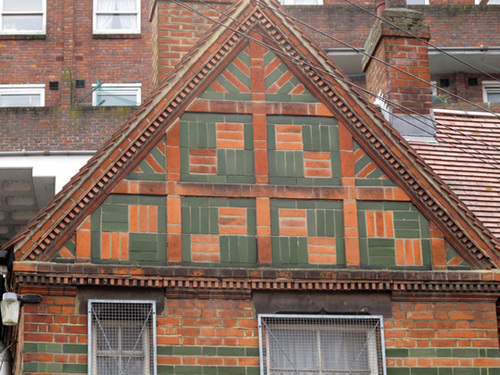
x=23, y=36
x=117, y=36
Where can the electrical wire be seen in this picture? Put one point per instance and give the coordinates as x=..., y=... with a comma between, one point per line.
x=358, y=50
x=301, y=60
x=422, y=40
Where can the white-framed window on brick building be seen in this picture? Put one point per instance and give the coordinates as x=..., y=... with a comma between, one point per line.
x=489, y=2
x=321, y=344
x=122, y=338
x=417, y=2
x=22, y=17
x=22, y=95
x=491, y=92
x=117, y=16
x=116, y=94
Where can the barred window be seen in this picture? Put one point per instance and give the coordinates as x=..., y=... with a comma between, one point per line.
x=321, y=344
x=122, y=337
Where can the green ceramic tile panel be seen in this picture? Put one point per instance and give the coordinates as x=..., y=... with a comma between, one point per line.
x=324, y=218
x=147, y=247
x=381, y=252
x=71, y=246
x=238, y=250
x=375, y=178
x=289, y=251
x=95, y=245
x=467, y=371
x=234, y=93
x=396, y=353
x=283, y=93
x=233, y=162
x=408, y=223
x=75, y=348
x=112, y=216
x=452, y=253
x=398, y=371
x=186, y=248
x=69, y=368
x=234, y=166
x=165, y=369
x=148, y=173
x=424, y=371
x=287, y=166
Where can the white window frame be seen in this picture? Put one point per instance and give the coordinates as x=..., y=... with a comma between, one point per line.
x=490, y=2
x=30, y=89
x=43, y=12
x=302, y=2
x=137, y=30
x=92, y=349
x=373, y=345
x=417, y=2
x=490, y=87
x=116, y=89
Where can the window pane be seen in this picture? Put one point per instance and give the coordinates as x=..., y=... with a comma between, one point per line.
x=11, y=22
x=116, y=5
x=20, y=100
x=132, y=338
x=106, y=99
x=345, y=350
x=22, y=5
x=494, y=97
x=107, y=337
x=293, y=350
x=116, y=22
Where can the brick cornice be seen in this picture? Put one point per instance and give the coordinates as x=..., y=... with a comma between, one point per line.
x=423, y=283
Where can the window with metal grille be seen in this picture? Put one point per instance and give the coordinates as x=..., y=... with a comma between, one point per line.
x=321, y=344
x=122, y=337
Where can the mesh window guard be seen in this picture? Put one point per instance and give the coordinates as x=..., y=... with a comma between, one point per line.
x=321, y=344
x=122, y=337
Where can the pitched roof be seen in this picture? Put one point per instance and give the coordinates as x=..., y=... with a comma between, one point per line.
x=119, y=156
x=467, y=158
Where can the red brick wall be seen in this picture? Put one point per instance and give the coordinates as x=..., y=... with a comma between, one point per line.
x=57, y=128
x=69, y=44
x=222, y=321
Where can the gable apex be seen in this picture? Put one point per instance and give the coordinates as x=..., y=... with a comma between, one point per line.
x=251, y=24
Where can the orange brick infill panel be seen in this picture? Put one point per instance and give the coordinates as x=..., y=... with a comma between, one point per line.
x=379, y=224
x=408, y=252
x=292, y=222
x=203, y=160
x=321, y=250
x=205, y=248
x=233, y=220
x=230, y=135
x=114, y=245
x=143, y=219
x=83, y=244
x=317, y=164
x=289, y=137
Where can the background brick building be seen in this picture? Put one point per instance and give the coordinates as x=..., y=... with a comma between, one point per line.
x=215, y=204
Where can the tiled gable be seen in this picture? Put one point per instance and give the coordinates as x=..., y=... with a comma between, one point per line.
x=233, y=162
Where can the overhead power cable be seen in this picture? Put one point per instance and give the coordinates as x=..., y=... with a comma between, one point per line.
x=423, y=120
x=379, y=60
x=302, y=60
x=422, y=40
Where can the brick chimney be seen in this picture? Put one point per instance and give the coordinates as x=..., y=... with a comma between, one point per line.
x=409, y=55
